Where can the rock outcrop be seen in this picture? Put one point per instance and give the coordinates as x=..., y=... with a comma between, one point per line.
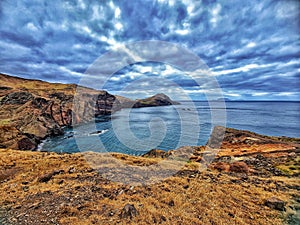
x=31, y=110
x=275, y=203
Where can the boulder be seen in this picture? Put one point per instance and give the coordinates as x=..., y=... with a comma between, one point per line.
x=239, y=167
x=216, y=137
x=26, y=144
x=221, y=166
x=275, y=203
x=128, y=211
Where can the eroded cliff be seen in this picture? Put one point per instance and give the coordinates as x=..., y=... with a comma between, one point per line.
x=31, y=110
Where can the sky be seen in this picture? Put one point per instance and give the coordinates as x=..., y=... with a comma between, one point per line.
x=251, y=48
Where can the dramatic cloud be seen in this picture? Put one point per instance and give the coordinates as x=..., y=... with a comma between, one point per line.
x=251, y=47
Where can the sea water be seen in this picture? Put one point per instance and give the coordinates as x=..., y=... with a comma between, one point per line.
x=136, y=131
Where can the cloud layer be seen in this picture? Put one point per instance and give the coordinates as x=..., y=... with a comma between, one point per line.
x=251, y=47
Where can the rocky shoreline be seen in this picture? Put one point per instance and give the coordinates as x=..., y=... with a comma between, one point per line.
x=254, y=179
x=32, y=110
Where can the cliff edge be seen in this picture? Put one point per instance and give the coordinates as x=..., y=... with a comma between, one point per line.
x=31, y=110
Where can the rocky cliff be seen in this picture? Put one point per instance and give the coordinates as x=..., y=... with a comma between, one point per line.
x=31, y=110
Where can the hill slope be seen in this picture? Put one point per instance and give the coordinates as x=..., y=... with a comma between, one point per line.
x=31, y=110
x=240, y=187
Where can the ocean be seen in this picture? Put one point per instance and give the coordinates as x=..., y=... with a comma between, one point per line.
x=136, y=131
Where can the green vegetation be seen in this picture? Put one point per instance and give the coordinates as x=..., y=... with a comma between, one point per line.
x=291, y=167
x=4, y=122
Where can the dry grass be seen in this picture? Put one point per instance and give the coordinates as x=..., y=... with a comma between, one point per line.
x=80, y=195
x=291, y=167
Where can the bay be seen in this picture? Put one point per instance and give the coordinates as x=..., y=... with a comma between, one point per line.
x=136, y=131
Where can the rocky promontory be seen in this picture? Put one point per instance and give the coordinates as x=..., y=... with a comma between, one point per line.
x=31, y=110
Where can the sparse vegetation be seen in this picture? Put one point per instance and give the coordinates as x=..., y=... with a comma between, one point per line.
x=4, y=122
x=78, y=194
x=291, y=167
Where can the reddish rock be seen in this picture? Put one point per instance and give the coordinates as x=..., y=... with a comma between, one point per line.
x=239, y=167
x=26, y=144
x=221, y=166
x=38, y=109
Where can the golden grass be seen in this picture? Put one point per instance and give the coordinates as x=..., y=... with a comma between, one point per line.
x=79, y=195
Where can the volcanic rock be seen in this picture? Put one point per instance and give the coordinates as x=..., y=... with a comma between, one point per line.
x=128, y=211
x=275, y=203
x=156, y=100
x=32, y=110
x=239, y=167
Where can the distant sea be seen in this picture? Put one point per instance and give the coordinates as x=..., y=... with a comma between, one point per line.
x=130, y=130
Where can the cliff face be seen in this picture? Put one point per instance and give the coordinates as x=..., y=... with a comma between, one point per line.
x=31, y=110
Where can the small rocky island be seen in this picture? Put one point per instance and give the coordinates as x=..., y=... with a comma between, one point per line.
x=31, y=110
x=156, y=100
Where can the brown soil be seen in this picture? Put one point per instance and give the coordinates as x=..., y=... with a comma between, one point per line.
x=239, y=187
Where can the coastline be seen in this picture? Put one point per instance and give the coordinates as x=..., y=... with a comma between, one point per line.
x=250, y=170
x=32, y=110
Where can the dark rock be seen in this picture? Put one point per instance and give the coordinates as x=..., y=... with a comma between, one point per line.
x=275, y=203
x=60, y=182
x=154, y=221
x=106, y=195
x=26, y=144
x=2, y=88
x=45, y=178
x=40, y=102
x=56, y=130
x=61, y=96
x=155, y=153
x=16, y=98
x=216, y=137
x=80, y=207
x=231, y=215
x=171, y=203
x=128, y=211
x=106, y=104
x=163, y=218
x=71, y=169
x=156, y=100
